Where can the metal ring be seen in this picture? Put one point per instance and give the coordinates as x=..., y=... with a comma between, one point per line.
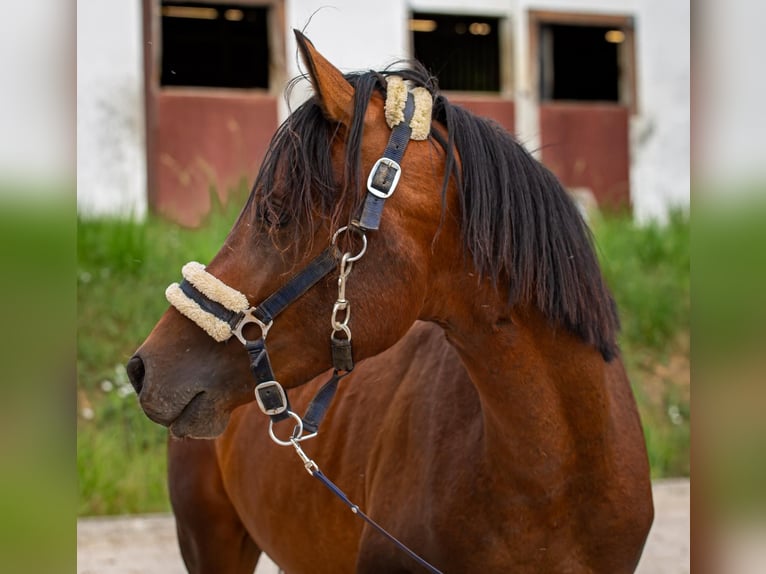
x=358, y=256
x=248, y=318
x=344, y=306
x=344, y=328
x=287, y=442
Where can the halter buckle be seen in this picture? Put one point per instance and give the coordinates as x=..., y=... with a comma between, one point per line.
x=384, y=177
x=271, y=398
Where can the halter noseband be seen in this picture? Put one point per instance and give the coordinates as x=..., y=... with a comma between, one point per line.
x=222, y=311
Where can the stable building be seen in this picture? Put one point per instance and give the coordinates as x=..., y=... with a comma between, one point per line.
x=176, y=106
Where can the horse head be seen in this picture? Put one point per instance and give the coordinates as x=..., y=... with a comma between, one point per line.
x=308, y=196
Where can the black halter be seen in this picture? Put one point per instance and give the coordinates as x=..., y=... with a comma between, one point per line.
x=269, y=394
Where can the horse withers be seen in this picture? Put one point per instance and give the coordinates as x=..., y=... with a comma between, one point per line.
x=489, y=424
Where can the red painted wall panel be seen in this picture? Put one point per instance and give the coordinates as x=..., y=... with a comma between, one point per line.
x=502, y=111
x=207, y=142
x=586, y=145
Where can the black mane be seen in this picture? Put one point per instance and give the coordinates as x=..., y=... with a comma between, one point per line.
x=518, y=223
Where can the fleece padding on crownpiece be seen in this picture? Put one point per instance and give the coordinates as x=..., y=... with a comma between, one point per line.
x=421, y=119
x=396, y=98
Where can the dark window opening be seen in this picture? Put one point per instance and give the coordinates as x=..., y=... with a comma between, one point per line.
x=463, y=52
x=580, y=62
x=214, y=45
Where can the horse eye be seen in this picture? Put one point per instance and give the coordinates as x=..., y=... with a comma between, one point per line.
x=273, y=216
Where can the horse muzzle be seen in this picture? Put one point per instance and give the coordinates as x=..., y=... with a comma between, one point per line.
x=188, y=410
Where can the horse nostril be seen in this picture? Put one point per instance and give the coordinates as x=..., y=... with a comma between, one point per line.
x=136, y=371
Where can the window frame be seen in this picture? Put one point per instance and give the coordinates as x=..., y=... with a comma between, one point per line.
x=505, y=50
x=627, y=54
x=152, y=10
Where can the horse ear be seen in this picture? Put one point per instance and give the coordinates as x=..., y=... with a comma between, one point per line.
x=333, y=90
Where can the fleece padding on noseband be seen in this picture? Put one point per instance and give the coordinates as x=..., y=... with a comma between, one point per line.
x=396, y=98
x=214, y=289
x=212, y=325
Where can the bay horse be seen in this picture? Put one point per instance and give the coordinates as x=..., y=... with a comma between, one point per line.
x=489, y=424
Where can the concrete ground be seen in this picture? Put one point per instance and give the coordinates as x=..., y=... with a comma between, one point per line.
x=147, y=544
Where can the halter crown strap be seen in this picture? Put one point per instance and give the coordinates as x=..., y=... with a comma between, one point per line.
x=408, y=114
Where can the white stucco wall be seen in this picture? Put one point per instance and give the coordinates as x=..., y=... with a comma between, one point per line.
x=660, y=133
x=731, y=89
x=36, y=100
x=497, y=8
x=352, y=34
x=111, y=162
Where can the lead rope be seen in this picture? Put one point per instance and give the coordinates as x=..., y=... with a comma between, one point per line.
x=313, y=470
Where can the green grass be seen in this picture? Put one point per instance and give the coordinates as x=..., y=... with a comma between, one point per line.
x=122, y=271
x=124, y=267
x=647, y=269
x=37, y=477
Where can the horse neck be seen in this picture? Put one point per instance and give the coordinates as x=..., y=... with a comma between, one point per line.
x=543, y=391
